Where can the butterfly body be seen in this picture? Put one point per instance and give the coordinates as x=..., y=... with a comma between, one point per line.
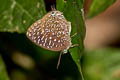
x=52, y=32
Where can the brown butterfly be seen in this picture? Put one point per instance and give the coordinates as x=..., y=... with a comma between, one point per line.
x=52, y=32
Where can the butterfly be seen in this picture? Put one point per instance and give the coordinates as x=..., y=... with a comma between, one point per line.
x=51, y=32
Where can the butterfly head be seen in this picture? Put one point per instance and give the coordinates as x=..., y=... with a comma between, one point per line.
x=57, y=14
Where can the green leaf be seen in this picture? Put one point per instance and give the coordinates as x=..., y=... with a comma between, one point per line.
x=73, y=11
x=101, y=64
x=18, y=15
x=99, y=6
x=60, y=4
x=3, y=73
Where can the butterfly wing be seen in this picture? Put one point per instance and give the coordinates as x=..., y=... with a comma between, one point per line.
x=50, y=33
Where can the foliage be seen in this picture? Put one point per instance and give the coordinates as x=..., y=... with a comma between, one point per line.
x=18, y=15
x=98, y=6
x=102, y=64
x=3, y=73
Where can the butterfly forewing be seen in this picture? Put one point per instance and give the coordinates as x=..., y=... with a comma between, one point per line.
x=50, y=33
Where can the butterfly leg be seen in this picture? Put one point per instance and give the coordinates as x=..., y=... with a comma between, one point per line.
x=74, y=45
x=74, y=35
x=59, y=59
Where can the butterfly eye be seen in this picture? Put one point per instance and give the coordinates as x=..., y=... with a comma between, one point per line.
x=53, y=12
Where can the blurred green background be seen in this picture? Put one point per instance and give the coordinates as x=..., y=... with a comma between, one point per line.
x=96, y=23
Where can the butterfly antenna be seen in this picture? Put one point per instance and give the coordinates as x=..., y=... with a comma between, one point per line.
x=59, y=59
x=53, y=8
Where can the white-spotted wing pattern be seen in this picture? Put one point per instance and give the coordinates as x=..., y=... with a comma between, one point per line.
x=52, y=32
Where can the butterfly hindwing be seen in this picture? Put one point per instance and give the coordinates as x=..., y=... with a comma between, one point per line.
x=50, y=33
